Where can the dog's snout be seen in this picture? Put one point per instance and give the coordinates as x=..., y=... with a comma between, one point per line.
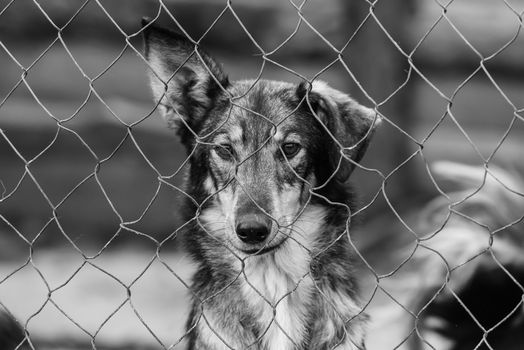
x=253, y=228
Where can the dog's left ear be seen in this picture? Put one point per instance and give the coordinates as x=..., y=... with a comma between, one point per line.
x=351, y=124
x=186, y=81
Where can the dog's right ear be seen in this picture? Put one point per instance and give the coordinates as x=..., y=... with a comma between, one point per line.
x=350, y=124
x=186, y=81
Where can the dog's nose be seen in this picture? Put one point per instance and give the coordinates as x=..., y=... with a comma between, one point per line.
x=253, y=229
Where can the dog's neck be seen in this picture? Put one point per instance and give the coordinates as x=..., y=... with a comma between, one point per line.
x=283, y=288
x=279, y=287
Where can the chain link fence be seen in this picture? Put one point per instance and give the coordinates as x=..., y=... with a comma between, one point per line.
x=90, y=252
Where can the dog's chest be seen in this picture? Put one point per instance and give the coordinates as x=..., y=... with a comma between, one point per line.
x=279, y=294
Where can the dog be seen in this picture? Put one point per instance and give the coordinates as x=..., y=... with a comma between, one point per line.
x=267, y=207
x=11, y=333
x=473, y=262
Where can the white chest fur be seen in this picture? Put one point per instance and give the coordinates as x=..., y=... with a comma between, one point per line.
x=278, y=287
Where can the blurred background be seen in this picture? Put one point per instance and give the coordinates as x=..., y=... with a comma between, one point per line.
x=89, y=172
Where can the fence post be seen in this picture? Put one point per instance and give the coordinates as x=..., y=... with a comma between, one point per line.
x=381, y=69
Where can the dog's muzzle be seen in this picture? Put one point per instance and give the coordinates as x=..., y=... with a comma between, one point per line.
x=253, y=228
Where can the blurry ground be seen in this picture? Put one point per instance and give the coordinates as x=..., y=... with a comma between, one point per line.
x=103, y=196
x=133, y=298
x=97, y=300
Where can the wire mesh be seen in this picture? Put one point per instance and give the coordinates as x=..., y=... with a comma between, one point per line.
x=466, y=242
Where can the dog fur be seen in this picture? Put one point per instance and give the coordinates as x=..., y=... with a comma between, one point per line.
x=473, y=263
x=273, y=157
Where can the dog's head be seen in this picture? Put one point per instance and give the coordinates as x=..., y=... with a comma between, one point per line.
x=261, y=152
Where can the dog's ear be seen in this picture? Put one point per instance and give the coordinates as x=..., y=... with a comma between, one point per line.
x=350, y=124
x=186, y=81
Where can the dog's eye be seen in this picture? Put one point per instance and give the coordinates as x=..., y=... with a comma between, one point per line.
x=290, y=149
x=224, y=151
